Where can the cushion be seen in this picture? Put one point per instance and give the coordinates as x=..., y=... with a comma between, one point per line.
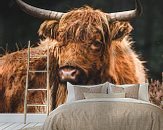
x=76, y=92
x=103, y=95
x=142, y=94
x=131, y=90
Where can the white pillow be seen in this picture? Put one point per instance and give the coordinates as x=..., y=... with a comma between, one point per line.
x=103, y=95
x=76, y=92
x=131, y=90
x=142, y=92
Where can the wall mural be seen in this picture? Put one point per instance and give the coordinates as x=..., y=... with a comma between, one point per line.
x=86, y=46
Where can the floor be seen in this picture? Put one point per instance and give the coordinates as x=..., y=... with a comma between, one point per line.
x=15, y=121
x=17, y=126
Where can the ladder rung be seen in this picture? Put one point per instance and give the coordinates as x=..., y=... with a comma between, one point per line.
x=37, y=89
x=36, y=105
x=38, y=71
x=38, y=56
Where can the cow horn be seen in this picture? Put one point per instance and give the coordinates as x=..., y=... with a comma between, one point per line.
x=39, y=13
x=127, y=15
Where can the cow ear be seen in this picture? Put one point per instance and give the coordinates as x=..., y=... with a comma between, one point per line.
x=48, y=29
x=119, y=30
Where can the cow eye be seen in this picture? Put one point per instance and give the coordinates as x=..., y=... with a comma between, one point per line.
x=96, y=45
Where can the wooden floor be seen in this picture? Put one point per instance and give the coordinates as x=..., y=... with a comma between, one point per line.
x=18, y=126
x=16, y=121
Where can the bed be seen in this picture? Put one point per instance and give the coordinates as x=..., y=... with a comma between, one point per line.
x=106, y=114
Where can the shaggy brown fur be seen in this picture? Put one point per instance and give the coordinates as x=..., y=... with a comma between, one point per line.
x=13, y=73
x=83, y=38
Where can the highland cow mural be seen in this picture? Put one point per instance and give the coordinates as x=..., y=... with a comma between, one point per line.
x=87, y=46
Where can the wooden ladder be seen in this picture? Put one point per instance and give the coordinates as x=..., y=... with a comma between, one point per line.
x=26, y=105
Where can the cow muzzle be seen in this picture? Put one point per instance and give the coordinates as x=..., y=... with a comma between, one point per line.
x=71, y=74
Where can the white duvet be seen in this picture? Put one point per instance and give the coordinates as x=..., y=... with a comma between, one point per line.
x=106, y=114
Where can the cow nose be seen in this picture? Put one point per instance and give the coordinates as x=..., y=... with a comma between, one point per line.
x=68, y=74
